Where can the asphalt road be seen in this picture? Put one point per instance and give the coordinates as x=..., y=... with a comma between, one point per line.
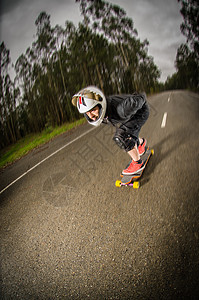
x=68, y=233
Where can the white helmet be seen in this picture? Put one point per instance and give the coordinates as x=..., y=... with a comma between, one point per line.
x=88, y=98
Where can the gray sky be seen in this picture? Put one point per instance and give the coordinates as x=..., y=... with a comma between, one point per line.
x=158, y=21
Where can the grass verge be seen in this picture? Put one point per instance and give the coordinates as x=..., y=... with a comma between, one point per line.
x=23, y=146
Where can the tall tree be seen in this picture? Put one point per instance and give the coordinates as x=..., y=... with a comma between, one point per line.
x=187, y=58
x=112, y=21
x=187, y=68
x=8, y=99
x=190, y=27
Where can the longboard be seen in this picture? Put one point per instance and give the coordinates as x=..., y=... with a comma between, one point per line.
x=131, y=180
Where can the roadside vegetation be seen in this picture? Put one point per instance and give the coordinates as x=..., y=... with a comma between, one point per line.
x=187, y=57
x=14, y=152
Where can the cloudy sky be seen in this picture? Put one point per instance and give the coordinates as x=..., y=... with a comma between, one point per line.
x=158, y=21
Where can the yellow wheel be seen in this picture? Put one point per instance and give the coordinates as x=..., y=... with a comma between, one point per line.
x=118, y=183
x=152, y=151
x=136, y=185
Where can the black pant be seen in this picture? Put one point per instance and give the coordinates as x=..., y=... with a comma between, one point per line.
x=127, y=135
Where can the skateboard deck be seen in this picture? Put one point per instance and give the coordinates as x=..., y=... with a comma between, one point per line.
x=131, y=180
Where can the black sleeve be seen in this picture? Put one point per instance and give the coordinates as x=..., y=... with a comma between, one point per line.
x=130, y=105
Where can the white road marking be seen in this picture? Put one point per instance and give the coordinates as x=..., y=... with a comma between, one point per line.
x=52, y=154
x=164, y=120
x=169, y=97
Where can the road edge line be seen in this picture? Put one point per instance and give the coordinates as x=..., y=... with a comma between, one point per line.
x=46, y=158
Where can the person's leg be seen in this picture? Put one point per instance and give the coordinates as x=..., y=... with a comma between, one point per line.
x=133, y=127
x=134, y=153
x=127, y=138
x=129, y=144
x=138, y=148
x=141, y=140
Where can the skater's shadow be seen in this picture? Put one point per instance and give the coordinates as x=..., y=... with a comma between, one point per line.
x=160, y=154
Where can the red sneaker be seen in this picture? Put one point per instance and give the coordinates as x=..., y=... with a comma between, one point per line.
x=141, y=147
x=134, y=168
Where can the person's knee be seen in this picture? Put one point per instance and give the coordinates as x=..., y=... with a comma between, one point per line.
x=125, y=140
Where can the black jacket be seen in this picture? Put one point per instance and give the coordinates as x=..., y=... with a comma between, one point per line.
x=121, y=108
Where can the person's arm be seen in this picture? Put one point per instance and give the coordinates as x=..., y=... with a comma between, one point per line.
x=130, y=105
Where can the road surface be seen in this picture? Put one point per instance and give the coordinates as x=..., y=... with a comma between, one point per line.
x=68, y=233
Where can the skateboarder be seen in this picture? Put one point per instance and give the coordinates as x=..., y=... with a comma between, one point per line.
x=127, y=113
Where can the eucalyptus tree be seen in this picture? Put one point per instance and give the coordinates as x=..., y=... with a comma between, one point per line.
x=84, y=8
x=100, y=16
x=45, y=46
x=82, y=61
x=24, y=68
x=130, y=54
x=9, y=95
x=4, y=62
x=190, y=27
x=63, y=37
x=187, y=58
x=187, y=66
